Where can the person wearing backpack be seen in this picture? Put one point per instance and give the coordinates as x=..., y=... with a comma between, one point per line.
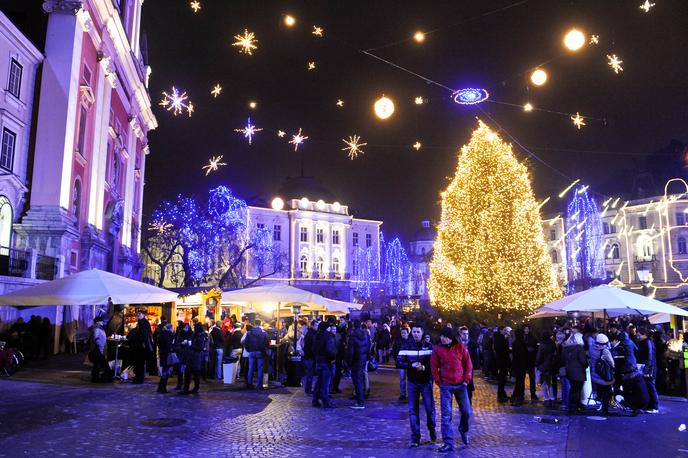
x=602, y=370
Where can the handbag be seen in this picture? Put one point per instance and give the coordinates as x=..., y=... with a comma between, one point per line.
x=172, y=359
x=372, y=365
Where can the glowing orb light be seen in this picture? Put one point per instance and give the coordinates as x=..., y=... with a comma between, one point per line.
x=289, y=21
x=419, y=36
x=470, y=96
x=277, y=203
x=252, y=105
x=304, y=202
x=419, y=100
x=528, y=107
x=574, y=40
x=321, y=205
x=384, y=107
x=336, y=207
x=538, y=77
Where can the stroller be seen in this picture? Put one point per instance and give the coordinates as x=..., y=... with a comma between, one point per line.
x=10, y=359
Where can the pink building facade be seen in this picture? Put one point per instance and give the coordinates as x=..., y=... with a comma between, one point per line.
x=89, y=153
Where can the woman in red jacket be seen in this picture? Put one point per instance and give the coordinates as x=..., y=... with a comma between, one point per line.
x=451, y=370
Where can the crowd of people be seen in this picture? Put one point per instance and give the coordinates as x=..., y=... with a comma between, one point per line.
x=33, y=337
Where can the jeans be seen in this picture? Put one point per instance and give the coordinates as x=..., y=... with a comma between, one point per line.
x=357, y=371
x=218, y=363
x=255, y=358
x=547, y=389
x=565, y=389
x=447, y=393
x=309, y=366
x=604, y=395
x=652, y=393
x=402, y=383
x=575, y=394
x=415, y=390
x=322, y=386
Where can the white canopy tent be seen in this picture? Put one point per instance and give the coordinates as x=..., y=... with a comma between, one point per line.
x=610, y=300
x=90, y=287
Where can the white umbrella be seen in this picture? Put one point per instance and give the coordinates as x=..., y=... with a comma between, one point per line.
x=613, y=301
x=659, y=318
x=341, y=307
x=90, y=287
x=284, y=295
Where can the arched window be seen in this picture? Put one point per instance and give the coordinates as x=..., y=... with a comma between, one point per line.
x=644, y=247
x=681, y=245
x=319, y=264
x=303, y=263
x=615, y=251
x=5, y=222
x=76, y=200
x=335, y=265
x=555, y=257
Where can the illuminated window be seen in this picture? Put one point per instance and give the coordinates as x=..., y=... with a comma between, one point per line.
x=644, y=247
x=335, y=237
x=615, y=251
x=319, y=264
x=303, y=234
x=319, y=236
x=335, y=265
x=681, y=245
x=303, y=263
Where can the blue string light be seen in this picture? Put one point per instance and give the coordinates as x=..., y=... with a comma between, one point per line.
x=584, y=253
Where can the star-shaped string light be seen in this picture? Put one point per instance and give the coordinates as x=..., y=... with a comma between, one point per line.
x=311, y=65
x=297, y=139
x=317, y=31
x=615, y=63
x=195, y=5
x=419, y=100
x=213, y=164
x=646, y=6
x=353, y=146
x=249, y=131
x=176, y=102
x=340, y=103
x=246, y=42
x=578, y=120
x=594, y=39
x=217, y=89
x=417, y=146
x=159, y=226
x=281, y=133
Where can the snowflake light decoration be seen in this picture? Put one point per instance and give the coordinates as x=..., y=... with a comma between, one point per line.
x=353, y=146
x=311, y=65
x=281, y=133
x=470, y=96
x=246, y=42
x=213, y=164
x=217, y=89
x=417, y=146
x=594, y=39
x=159, y=226
x=317, y=31
x=195, y=5
x=578, y=120
x=297, y=139
x=249, y=131
x=647, y=6
x=176, y=102
x=615, y=63
x=340, y=103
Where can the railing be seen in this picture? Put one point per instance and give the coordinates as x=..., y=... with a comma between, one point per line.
x=46, y=267
x=14, y=263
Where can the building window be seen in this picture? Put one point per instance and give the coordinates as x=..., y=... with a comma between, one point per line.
x=319, y=264
x=9, y=140
x=642, y=222
x=644, y=248
x=335, y=237
x=552, y=234
x=354, y=268
x=81, y=139
x=5, y=223
x=116, y=166
x=319, y=236
x=304, y=234
x=355, y=238
x=335, y=265
x=615, y=251
x=605, y=227
x=680, y=219
x=14, y=83
x=260, y=226
x=76, y=200
x=555, y=257
x=681, y=245
x=612, y=228
x=303, y=263
x=369, y=240
x=276, y=233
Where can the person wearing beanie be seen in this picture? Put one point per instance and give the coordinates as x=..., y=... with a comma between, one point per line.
x=600, y=355
x=97, y=354
x=451, y=371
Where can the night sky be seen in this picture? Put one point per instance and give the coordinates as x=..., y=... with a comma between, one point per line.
x=645, y=106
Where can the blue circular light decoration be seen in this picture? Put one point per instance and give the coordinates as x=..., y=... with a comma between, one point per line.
x=470, y=96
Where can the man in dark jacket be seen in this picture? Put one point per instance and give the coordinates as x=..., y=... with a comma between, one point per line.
x=502, y=360
x=414, y=357
x=358, y=350
x=141, y=345
x=532, y=346
x=256, y=347
x=451, y=370
x=648, y=357
x=634, y=388
x=308, y=358
x=519, y=367
x=217, y=344
x=324, y=352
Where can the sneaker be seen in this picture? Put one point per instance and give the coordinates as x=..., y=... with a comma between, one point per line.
x=653, y=411
x=446, y=448
x=414, y=445
x=358, y=406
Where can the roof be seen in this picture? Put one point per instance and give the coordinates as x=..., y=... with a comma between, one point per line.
x=424, y=234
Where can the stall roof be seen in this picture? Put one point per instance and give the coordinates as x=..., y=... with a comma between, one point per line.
x=191, y=290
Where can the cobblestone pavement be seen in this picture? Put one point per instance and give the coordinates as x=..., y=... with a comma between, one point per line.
x=46, y=412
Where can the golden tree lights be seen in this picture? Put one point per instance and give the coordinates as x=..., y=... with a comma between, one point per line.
x=490, y=252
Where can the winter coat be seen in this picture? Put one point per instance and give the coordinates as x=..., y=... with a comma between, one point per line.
x=412, y=352
x=384, y=339
x=519, y=363
x=145, y=335
x=501, y=349
x=183, y=349
x=626, y=348
x=164, y=342
x=358, y=348
x=216, y=338
x=546, y=358
x=451, y=365
x=532, y=346
x=648, y=357
x=598, y=351
x=398, y=344
x=98, y=338
x=308, y=344
x=256, y=340
x=576, y=362
x=199, y=346
x=324, y=349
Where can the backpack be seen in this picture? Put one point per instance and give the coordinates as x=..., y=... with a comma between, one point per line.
x=604, y=370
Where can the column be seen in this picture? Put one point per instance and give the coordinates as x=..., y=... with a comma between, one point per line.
x=99, y=150
x=132, y=141
x=141, y=184
x=57, y=108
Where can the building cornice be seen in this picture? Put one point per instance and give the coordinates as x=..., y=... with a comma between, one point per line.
x=17, y=38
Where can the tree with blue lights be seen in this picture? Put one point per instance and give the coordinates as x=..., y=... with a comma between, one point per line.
x=397, y=270
x=584, y=241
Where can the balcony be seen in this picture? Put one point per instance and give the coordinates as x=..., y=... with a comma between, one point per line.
x=27, y=264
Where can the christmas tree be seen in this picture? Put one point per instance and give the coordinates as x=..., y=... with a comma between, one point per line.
x=490, y=254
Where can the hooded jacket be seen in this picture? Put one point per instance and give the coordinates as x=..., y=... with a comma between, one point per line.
x=412, y=352
x=451, y=364
x=324, y=348
x=574, y=357
x=358, y=348
x=598, y=351
x=256, y=340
